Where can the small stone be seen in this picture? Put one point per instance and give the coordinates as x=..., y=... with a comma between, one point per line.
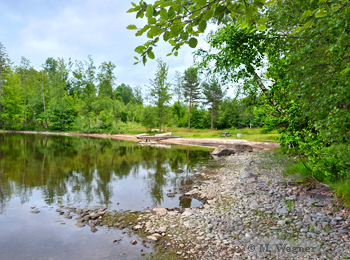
x=137, y=227
x=282, y=211
x=189, y=224
x=281, y=222
x=153, y=238
x=159, y=211
x=79, y=224
x=249, y=175
x=170, y=195
x=179, y=170
x=93, y=229
x=162, y=229
x=188, y=213
x=35, y=211
x=134, y=242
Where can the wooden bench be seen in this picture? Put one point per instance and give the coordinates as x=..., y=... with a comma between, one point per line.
x=226, y=134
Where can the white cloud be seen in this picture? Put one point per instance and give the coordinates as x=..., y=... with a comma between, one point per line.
x=75, y=29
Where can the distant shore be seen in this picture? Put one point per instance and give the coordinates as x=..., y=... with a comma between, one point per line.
x=205, y=142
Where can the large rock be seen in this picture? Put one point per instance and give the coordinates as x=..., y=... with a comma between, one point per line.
x=242, y=148
x=223, y=150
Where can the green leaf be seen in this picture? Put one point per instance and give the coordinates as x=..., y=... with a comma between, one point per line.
x=250, y=10
x=176, y=53
x=184, y=36
x=263, y=20
x=150, y=54
x=259, y=4
x=131, y=27
x=202, y=25
x=134, y=5
x=136, y=58
x=140, y=49
x=143, y=30
x=166, y=36
x=193, y=42
x=140, y=14
x=321, y=13
x=144, y=60
x=262, y=27
x=152, y=20
x=244, y=25
x=201, y=2
x=169, y=54
x=172, y=42
x=131, y=10
x=239, y=11
x=137, y=62
x=306, y=26
x=150, y=34
x=163, y=13
x=155, y=30
x=149, y=11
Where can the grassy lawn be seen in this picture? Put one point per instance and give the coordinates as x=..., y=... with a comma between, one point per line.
x=254, y=134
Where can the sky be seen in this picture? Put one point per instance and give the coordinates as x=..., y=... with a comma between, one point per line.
x=39, y=29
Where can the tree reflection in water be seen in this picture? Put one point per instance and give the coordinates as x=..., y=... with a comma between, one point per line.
x=73, y=169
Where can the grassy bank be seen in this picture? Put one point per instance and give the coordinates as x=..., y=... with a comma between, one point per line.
x=295, y=166
x=254, y=134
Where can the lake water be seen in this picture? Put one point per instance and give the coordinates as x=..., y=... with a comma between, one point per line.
x=39, y=172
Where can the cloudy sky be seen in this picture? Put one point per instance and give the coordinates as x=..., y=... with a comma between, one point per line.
x=38, y=29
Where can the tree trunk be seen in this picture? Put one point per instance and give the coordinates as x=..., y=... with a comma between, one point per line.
x=160, y=121
x=189, y=115
x=265, y=91
x=43, y=164
x=43, y=93
x=212, y=116
x=0, y=90
x=25, y=98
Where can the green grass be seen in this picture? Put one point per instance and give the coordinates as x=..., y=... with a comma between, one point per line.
x=162, y=254
x=342, y=189
x=254, y=134
x=297, y=168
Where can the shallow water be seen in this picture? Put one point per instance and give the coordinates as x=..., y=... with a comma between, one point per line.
x=43, y=172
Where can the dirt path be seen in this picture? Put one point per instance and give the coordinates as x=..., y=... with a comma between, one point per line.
x=206, y=142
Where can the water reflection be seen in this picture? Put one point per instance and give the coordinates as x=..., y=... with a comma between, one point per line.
x=86, y=171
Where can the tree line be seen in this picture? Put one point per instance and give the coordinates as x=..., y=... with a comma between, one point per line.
x=81, y=96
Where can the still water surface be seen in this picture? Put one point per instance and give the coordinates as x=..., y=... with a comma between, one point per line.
x=48, y=171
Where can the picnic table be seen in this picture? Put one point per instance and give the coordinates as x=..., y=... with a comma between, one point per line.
x=226, y=134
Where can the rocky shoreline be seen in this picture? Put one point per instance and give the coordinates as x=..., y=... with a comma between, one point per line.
x=252, y=211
